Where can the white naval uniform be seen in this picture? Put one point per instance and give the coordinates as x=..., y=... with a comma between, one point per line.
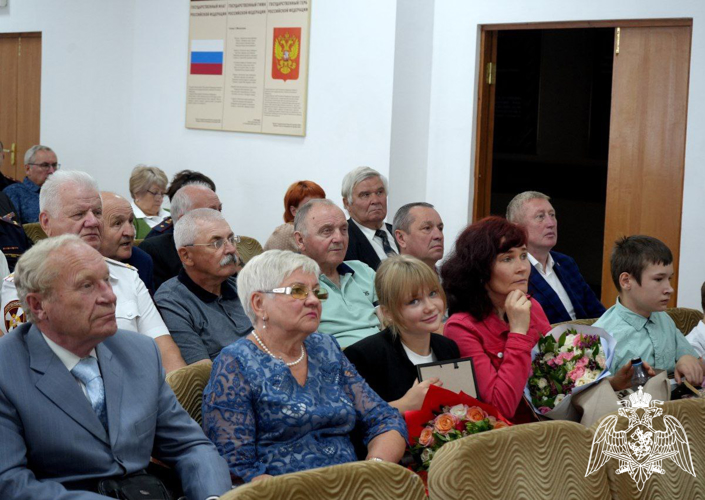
x=135, y=309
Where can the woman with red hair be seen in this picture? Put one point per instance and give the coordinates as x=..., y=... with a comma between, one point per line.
x=296, y=196
x=493, y=320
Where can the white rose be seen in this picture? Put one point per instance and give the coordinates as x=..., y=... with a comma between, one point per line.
x=600, y=360
x=542, y=383
x=459, y=411
x=587, y=378
x=548, y=357
x=566, y=347
x=559, y=398
x=426, y=455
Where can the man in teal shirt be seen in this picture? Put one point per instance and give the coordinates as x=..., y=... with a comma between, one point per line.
x=350, y=312
x=642, y=268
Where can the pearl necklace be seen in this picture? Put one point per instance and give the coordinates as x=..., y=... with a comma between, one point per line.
x=266, y=349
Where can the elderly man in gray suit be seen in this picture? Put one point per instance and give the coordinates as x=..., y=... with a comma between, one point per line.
x=80, y=400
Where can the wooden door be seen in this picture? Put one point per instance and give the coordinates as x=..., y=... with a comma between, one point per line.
x=20, y=92
x=647, y=140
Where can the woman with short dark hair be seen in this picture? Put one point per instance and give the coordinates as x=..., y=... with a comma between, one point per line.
x=493, y=320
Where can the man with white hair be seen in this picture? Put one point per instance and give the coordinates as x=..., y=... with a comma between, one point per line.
x=83, y=403
x=371, y=240
x=201, y=306
x=350, y=312
x=555, y=280
x=70, y=204
x=167, y=263
x=39, y=162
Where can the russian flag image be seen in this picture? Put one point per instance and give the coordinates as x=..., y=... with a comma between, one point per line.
x=207, y=57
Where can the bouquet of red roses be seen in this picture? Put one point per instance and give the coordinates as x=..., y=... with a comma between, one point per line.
x=444, y=417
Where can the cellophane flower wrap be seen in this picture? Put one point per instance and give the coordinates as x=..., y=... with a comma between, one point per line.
x=567, y=360
x=444, y=417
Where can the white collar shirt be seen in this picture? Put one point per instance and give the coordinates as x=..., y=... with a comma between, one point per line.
x=69, y=359
x=552, y=279
x=697, y=338
x=376, y=241
x=151, y=220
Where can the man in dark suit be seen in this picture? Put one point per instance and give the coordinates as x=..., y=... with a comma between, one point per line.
x=371, y=240
x=80, y=400
x=162, y=249
x=555, y=280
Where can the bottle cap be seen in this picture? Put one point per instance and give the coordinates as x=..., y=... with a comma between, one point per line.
x=636, y=361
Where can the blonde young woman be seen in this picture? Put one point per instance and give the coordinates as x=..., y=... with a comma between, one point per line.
x=413, y=304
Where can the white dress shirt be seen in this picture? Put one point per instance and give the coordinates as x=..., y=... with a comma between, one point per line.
x=376, y=241
x=151, y=220
x=553, y=281
x=697, y=338
x=69, y=359
x=135, y=309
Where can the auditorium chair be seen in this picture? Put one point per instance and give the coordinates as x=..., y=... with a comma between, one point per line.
x=674, y=483
x=34, y=231
x=188, y=384
x=352, y=481
x=540, y=460
x=248, y=248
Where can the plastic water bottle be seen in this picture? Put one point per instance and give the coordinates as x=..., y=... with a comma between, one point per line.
x=640, y=377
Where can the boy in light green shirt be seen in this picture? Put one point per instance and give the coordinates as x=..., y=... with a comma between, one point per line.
x=642, y=269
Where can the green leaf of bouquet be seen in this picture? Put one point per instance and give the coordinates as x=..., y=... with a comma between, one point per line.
x=561, y=340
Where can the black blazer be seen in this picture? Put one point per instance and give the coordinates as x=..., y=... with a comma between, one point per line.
x=383, y=363
x=360, y=248
x=167, y=263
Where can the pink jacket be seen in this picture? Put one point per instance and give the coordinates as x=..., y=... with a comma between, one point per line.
x=502, y=359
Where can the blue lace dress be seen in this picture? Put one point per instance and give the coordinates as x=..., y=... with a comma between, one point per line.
x=263, y=422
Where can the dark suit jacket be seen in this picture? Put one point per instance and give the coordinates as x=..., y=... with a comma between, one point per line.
x=584, y=301
x=166, y=259
x=383, y=363
x=360, y=248
x=52, y=440
x=145, y=267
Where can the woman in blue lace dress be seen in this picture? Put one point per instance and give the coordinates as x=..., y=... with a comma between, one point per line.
x=285, y=399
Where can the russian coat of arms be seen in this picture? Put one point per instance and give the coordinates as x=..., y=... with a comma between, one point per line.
x=640, y=448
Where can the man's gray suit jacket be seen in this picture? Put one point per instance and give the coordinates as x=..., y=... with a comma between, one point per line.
x=50, y=436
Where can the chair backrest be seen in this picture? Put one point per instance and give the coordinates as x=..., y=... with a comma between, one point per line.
x=540, y=460
x=352, y=481
x=248, y=248
x=188, y=384
x=34, y=231
x=674, y=482
x=685, y=319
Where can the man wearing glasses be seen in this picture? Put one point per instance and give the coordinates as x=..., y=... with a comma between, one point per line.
x=201, y=306
x=39, y=163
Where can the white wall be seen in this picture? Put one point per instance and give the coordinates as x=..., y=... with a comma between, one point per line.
x=451, y=146
x=114, y=87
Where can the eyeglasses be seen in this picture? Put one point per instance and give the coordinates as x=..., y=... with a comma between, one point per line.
x=155, y=194
x=299, y=291
x=217, y=244
x=47, y=166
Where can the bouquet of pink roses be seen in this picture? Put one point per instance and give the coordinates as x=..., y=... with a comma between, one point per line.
x=444, y=417
x=567, y=360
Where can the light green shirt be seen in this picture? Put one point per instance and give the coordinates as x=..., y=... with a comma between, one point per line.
x=349, y=313
x=655, y=339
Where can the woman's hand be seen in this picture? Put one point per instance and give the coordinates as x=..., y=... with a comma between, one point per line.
x=518, y=309
x=413, y=399
x=623, y=378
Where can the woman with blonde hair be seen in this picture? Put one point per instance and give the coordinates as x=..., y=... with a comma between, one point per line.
x=413, y=304
x=147, y=188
